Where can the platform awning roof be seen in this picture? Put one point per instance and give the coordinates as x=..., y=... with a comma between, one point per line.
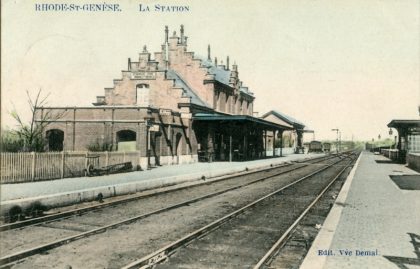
x=404, y=123
x=238, y=118
x=288, y=119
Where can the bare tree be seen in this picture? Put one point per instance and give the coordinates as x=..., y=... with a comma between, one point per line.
x=31, y=133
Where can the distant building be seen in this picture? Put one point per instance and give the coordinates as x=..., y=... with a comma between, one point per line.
x=174, y=107
x=294, y=135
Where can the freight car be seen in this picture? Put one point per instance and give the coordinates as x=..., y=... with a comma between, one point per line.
x=315, y=146
x=327, y=147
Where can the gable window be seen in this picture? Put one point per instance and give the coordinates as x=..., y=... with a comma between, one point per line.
x=142, y=95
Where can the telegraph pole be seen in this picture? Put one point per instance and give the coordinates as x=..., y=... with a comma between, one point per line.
x=336, y=144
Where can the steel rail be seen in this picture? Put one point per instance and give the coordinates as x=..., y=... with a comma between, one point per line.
x=38, y=249
x=78, y=211
x=162, y=253
x=283, y=239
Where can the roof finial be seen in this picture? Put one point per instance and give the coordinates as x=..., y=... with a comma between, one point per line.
x=235, y=67
x=166, y=33
x=144, y=49
x=182, y=33
x=208, y=53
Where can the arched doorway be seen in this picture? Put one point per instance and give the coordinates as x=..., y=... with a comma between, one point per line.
x=126, y=140
x=55, y=138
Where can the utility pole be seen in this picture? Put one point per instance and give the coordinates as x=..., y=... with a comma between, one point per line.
x=336, y=144
x=339, y=142
x=149, y=123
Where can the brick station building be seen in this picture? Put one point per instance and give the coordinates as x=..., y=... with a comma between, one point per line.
x=174, y=106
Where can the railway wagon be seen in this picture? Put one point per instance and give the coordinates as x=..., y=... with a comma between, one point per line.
x=327, y=147
x=315, y=146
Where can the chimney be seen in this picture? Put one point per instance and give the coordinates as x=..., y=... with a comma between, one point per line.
x=129, y=64
x=215, y=61
x=227, y=63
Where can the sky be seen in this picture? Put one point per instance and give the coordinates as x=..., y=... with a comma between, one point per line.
x=352, y=65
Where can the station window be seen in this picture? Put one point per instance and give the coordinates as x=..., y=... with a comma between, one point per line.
x=414, y=143
x=143, y=95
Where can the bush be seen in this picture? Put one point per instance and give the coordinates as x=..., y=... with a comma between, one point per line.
x=99, y=146
x=10, y=142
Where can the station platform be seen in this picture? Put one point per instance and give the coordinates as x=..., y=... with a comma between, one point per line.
x=375, y=221
x=62, y=192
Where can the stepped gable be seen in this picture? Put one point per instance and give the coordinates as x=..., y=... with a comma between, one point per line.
x=176, y=78
x=187, y=91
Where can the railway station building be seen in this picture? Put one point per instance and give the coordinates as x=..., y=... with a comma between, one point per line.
x=173, y=107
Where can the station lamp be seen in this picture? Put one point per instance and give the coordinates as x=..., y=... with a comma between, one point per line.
x=390, y=143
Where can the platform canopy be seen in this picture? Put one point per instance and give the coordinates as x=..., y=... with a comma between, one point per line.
x=216, y=117
x=225, y=137
x=408, y=137
x=404, y=124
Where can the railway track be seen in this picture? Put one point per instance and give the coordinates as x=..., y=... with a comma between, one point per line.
x=56, y=215
x=242, y=239
x=276, y=254
x=83, y=232
x=291, y=252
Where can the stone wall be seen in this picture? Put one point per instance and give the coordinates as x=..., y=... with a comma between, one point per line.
x=413, y=161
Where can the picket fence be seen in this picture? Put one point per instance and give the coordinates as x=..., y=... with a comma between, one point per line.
x=33, y=166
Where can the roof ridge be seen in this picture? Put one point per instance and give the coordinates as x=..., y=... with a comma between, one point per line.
x=285, y=117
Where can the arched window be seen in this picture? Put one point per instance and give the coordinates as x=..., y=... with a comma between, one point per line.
x=55, y=139
x=142, y=95
x=126, y=140
x=126, y=135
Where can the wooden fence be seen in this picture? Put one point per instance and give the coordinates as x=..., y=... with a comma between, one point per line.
x=31, y=166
